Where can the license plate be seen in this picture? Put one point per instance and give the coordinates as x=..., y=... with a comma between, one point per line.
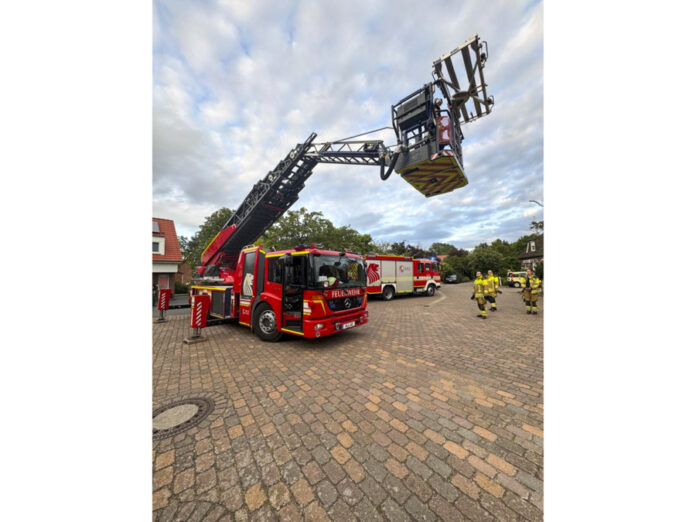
x=348, y=325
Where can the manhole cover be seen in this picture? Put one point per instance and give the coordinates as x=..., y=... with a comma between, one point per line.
x=173, y=418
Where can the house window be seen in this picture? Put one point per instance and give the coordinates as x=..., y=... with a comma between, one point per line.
x=155, y=226
x=158, y=245
x=532, y=246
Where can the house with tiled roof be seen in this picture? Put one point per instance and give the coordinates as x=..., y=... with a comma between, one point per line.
x=533, y=253
x=166, y=254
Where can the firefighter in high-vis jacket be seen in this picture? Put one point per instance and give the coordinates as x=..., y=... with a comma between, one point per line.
x=493, y=290
x=530, y=292
x=480, y=293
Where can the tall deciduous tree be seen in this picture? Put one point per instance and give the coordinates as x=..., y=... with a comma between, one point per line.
x=507, y=250
x=409, y=250
x=539, y=270
x=457, y=263
x=398, y=249
x=487, y=258
x=442, y=248
x=304, y=227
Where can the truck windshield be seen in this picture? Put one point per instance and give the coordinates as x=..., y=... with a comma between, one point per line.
x=337, y=272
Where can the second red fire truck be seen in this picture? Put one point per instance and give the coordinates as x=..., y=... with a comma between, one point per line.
x=391, y=275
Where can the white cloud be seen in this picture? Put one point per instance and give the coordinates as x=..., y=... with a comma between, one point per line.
x=237, y=84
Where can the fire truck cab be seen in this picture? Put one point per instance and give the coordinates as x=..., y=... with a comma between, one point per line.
x=304, y=291
x=391, y=275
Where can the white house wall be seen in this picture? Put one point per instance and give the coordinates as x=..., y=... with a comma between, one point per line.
x=165, y=268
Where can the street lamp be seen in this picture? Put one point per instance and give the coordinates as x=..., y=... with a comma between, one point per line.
x=535, y=201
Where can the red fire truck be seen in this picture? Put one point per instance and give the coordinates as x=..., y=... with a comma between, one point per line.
x=305, y=291
x=391, y=275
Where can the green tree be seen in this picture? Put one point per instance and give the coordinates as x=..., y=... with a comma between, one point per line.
x=294, y=228
x=483, y=259
x=213, y=224
x=440, y=249
x=418, y=252
x=383, y=247
x=537, y=226
x=346, y=237
x=303, y=227
x=398, y=249
x=457, y=263
x=539, y=270
x=409, y=250
x=184, y=245
x=507, y=250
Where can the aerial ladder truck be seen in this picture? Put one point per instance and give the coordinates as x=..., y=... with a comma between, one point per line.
x=311, y=292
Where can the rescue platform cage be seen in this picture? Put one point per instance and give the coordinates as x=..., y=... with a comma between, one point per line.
x=428, y=130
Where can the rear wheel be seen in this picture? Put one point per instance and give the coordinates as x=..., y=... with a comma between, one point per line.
x=517, y=284
x=430, y=291
x=388, y=293
x=265, y=324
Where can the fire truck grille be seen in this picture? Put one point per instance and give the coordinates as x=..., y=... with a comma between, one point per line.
x=344, y=303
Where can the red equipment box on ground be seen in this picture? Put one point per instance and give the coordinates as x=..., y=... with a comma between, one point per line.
x=199, y=310
x=164, y=297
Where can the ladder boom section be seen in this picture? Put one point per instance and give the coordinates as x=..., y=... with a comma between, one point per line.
x=268, y=200
x=370, y=152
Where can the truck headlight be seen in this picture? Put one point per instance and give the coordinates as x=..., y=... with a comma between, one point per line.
x=318, y=326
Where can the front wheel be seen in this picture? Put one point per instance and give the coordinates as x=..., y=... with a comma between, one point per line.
x=265, y=324
x=388, y=293
x=517, y=284
x=430, y=291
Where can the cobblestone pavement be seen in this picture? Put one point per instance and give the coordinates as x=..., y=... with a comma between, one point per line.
x=425, y=413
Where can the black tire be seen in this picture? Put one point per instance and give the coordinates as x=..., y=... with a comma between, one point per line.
x=517, y=284
x=265, y=324
x=430, y=291
x=388, y=293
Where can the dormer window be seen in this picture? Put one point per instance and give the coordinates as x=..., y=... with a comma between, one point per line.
x=532, y=246
x=158, y=245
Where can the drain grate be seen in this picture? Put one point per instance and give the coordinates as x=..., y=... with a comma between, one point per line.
x=179, y=416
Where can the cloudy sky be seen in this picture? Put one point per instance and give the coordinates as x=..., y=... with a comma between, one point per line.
x=237, y=84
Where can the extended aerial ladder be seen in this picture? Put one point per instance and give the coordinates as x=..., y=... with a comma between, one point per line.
x=427, y=154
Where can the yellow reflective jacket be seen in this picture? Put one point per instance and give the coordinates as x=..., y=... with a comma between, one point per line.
x=532, y=285
x=493, y=285
x=480, y=287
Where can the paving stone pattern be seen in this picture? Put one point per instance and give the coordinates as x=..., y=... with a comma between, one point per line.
x=425, y=413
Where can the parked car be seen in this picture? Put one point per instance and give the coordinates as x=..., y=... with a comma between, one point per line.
x=452, y=278
x=516, y=278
